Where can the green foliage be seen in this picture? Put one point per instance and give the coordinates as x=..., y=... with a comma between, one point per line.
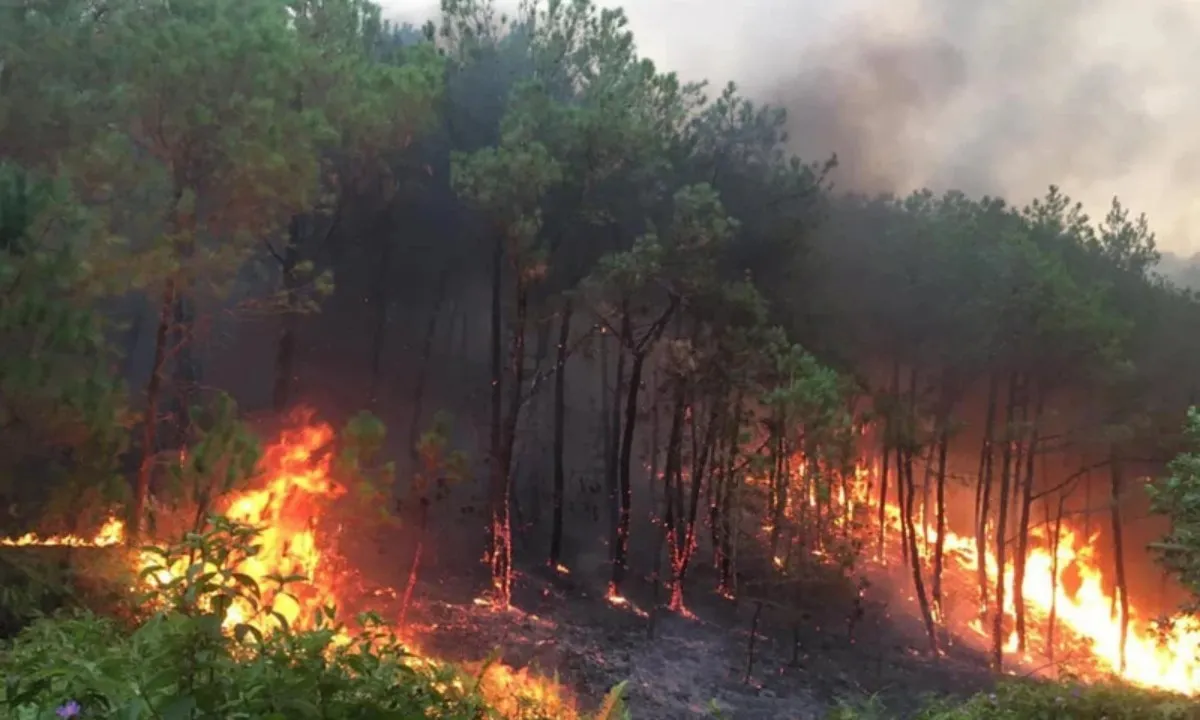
x=1040, y=701
x=1177, y=496
x=221, y=458
x=439, y=465
x=359, y=465
x=63, y=414
x=177, y=663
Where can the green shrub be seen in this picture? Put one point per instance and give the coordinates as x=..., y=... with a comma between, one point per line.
x=40, y=581
x=1068, y=701
x=178, y=662
x=1028, y=700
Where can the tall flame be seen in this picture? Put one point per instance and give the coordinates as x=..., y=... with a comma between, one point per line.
x=1167, y=659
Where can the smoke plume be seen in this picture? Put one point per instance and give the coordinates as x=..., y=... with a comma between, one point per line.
x=1000, y=97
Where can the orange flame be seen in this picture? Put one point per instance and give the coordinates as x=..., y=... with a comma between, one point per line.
x=1153, y=658
x=289, y=504
x=110, y=534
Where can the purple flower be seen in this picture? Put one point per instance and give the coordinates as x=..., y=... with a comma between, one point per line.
x=69, y=710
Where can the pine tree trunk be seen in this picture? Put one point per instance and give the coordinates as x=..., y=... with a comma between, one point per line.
x=285, y=347
x=380, y=300
x=939, y=547
x=983, y=491
x=672, y=475
x=613, y=479
x=498, y=551
x=1023, y=529
x=1116, y=469
x=998, y=636
x=913, y=550
x=509, y=436
x=728, y=525
x=141, y=493
x=421, y=381
x=700, y=471
x=915, y=556
x=560, y=420
x=625, y=467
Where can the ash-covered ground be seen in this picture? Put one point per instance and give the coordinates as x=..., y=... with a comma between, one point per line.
x=679, y=667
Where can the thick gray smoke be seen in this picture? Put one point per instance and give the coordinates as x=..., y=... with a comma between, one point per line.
x=1002, y=97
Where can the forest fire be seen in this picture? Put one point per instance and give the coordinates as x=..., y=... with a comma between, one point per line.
x=1071, y=589
x=290, y=502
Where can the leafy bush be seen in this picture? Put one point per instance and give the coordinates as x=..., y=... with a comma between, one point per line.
x=177, y=662
x=39, y=581
x=1044, y=701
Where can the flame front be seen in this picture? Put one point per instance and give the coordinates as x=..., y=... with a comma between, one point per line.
x=112, y=533
x=1154, y=658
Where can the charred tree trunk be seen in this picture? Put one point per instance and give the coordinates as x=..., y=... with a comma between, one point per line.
x=915, y=556
x=422, y=379
x=285, y=347
x=186, y=372
x=900, y=503
x=907, y=510
x=887, y=446
x=716, y=487
x=983, y=491
x=380, y=299
x=614, y=450
x=659, y=520
x=1115, y=475
x=939, y=548
x=133, y=337
x=560, y=421
x=998, y=636
x=625, y=467
x=606, y=443
x=672, y=476
x=1023, y=530
x=141, y=493
x=411, y=585
x=498, y=547
x=779, y=484
x=728, y=526
x=1055, y=541
x=515, y=400
x=699, y=472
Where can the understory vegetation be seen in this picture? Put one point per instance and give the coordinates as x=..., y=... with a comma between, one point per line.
x=174, y=654
x=611, y=314
x=1048, y=701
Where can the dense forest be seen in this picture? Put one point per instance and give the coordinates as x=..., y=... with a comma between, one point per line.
x=612, y=324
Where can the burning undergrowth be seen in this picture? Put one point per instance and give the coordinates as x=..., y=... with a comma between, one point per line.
x=1072, y=623
x=308, y=505
x=289, y=523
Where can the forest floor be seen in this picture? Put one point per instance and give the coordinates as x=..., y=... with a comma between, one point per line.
x=564, y=625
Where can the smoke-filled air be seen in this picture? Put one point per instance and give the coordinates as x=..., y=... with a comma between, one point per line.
x=554, y=361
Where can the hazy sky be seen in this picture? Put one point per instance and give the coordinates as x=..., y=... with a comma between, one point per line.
x=1101, y=97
